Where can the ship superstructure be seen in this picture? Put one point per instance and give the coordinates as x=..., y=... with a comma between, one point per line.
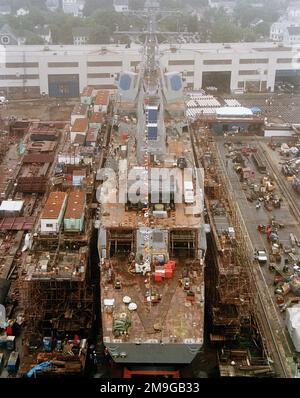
x=152, y=238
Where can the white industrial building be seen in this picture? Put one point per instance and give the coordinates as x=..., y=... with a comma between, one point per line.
x=285, y=28
x=53, y=211
x=74, y=7
x=64, y=71
x=121, y=5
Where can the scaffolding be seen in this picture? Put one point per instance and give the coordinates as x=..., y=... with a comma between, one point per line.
x=57, y=295
x=234, y=306
x=57, y=307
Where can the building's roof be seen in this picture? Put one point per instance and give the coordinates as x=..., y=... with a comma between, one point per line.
x=87, y=91
x=234, y=111
x=53, y=205
x=5, y=8
x=295, y=5
x=79, y=139
x=52, y=3
x=92, y=135
x=121, y=2
x=92, y=51
x=102, y=97
x=80, y=109
x=79, y=173
x=11, y=205
x=97, y=117
x=76, y=204
x=80, y=125
x=294, y=30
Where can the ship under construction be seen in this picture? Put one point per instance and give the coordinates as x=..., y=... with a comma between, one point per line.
x=152, y=236
x=154, y=233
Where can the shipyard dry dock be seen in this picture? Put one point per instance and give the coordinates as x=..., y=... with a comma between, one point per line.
x=261, y=199
x=271, y=218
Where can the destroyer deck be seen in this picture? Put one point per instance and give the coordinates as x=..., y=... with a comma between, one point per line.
x=172, y=319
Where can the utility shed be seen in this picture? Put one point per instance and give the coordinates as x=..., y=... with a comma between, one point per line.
x=80, y=127
x=101, y=101
x=92, y=137
x=86, y=96
x=96, y=120
x=78, y=176
x=79, y=112
x=74, y=215
x=11, y=207
x=53, y=212
x=234, y=111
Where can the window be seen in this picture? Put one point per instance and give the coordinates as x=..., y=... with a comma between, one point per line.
x=217, y=62
x=134, y=63
x=284, y=60
x=98, y=75
x=49, y=225
x=104, y=63
x=19, y=77
x=182, y=62
x=22, y=64
x=62, y=64
x=254, y=61
x=251, y=72
x=104, y=86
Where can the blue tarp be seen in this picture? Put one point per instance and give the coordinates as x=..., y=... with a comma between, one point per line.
x=256, y=109
x=40, y=366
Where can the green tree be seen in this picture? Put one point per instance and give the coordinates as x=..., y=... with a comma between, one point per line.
x=99, y=35
x=33, y=39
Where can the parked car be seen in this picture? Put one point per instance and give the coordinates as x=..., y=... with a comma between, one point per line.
x=261, y=256
x=3, y=101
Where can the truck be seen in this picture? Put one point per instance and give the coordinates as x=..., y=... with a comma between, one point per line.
x=3, y=100
x=261, y=256
x=188, y=192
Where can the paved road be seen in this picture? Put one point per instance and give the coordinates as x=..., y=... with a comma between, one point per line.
x=252, y=218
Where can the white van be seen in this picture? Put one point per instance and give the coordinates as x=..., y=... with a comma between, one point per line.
x=3, y=100
x=188, y=192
